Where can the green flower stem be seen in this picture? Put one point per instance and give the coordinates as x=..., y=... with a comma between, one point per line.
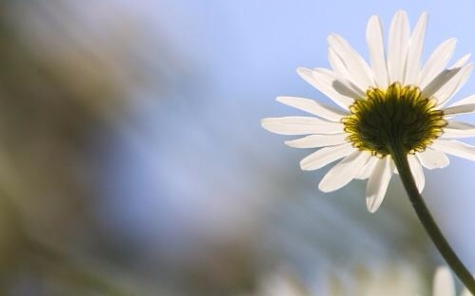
x=399, y=156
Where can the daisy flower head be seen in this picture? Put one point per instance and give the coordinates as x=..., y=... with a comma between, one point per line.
x=393, y=101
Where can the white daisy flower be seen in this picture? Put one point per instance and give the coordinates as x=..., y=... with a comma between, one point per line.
x=394, y=99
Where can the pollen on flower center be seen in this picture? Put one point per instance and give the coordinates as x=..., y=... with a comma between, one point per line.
x=398, y=114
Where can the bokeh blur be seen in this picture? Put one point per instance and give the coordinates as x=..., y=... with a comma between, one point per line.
x=132, y=161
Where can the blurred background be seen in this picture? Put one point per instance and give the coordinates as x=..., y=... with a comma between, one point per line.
x=132, y=161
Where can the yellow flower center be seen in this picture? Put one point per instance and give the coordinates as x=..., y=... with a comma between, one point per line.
x=397, y=115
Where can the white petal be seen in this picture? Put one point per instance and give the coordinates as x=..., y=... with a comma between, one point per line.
x=345, y=171
x=299, y=125
x=367, y=169
x=436, y=62
x=378, y=183
x=325, y=156
x=459, y=125
x=453, y=85
x=322, y=79
x=458, y=129
x=461, y=62
x=433, y=159
x=414, y=52
x=374, y=38
x=346, y=88
x=417, y=172
x=464, y=101
x=456, y=134
x=459, y=109
x=338, y=65
x=439, y=81
x=397, y=46
x=455, y=148
x=315, y=141
x=312, y=107
x=443, y=283
x=359, y=70
x=449, y=135
x=344, y=82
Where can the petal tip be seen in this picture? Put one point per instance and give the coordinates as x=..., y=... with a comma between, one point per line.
x=372, y=209
x=323, y=188
x=371, y=204
x=264, y=123
x=290, y=143
x=401, y=13
x=334, y=37
x=302, y=164
x=304, y=72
